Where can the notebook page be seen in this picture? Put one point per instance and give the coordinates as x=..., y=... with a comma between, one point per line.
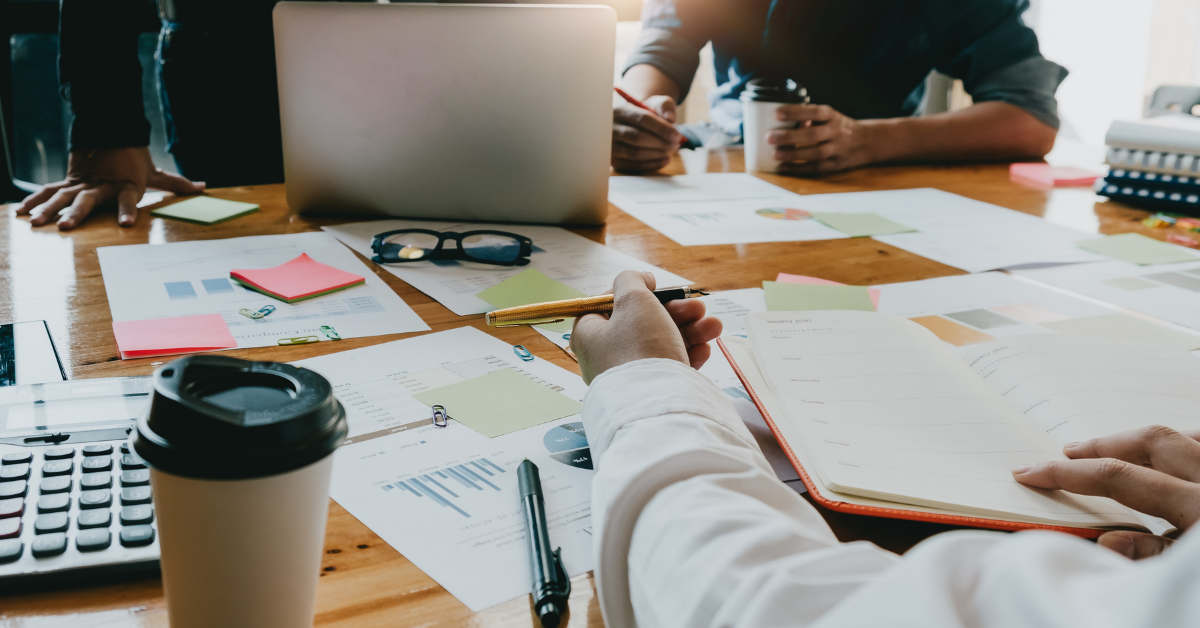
x=1078, y=388
x=887, y=411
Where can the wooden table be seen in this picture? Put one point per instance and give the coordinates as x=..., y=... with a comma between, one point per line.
x=45, y=274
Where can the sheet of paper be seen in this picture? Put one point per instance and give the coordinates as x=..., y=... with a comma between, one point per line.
x=964, y=310
x=790, y=297
x=170, y=336
x=205, y=210
x=888, y=412
x=559, y=254
x=961, y=232
x=192, y=278
x=531, y=286
x=1127, y=328
x=1081, y=388
x=296, y=280
x=1170, y=293
x=1136, y=248
x=815, y=281
x=717, y=208
x=447, y=498
x=861, y=224
x=500, y=402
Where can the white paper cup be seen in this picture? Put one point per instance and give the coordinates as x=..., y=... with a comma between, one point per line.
x=240, y=457
x=761, y=99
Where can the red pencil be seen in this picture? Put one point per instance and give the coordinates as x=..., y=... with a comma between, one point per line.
x=641, y=105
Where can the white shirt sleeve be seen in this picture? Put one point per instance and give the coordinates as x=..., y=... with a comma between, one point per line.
x=693, y=529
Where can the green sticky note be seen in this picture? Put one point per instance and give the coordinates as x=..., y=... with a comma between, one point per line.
x=861, y=225
x=205, y=210
x=528, y=287
x=500, y=402
x=1136, y=248
x=791, y=297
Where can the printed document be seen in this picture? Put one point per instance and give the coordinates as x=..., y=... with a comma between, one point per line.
x=719, y=208
x=192, y=278
x=446, y=497
x=559, y=254
x=1171, y=293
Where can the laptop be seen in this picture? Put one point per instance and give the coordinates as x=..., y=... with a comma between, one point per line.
x=483, y=112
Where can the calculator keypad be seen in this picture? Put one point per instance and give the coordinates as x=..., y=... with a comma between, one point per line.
x=60, y=500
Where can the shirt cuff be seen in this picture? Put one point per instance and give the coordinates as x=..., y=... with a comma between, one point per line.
x=651, y=388
x=671, y=53
x=1029, y=84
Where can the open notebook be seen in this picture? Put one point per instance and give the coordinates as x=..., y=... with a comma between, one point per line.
x=882, y=418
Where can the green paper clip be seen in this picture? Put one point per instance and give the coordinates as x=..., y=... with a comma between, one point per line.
x=330, y=332
x=302, y=340
x=523, y=353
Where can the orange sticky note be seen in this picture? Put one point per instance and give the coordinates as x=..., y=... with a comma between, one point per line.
x=170, y=336
x=299, y=279
x=814, y=281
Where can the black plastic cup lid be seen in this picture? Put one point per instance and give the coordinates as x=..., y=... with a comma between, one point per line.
x=220, y=418
x=775, y=90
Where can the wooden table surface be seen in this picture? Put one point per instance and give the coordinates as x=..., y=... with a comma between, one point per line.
x=45, y=274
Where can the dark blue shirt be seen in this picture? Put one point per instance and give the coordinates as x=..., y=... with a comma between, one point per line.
x=864, y=58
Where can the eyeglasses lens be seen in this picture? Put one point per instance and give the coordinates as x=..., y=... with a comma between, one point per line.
x=409, y=246
x=493, y=248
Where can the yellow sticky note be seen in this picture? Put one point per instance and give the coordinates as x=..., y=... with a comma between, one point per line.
x=528, y=287
x=858, y=225
x=500, y=402
x=791, y=297
x=205, y=210
x=1136, y=248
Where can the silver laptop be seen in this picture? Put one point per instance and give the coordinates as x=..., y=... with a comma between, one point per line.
x=490, y=112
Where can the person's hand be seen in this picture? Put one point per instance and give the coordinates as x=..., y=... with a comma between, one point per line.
x=640, y=327
x=1154, y=470
x=825, y=140
x=643, y=141
x=102, y=177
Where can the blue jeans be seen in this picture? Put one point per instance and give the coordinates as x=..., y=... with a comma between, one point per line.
x=220, y=101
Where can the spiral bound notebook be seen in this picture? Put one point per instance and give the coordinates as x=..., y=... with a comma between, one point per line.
x=881, y=418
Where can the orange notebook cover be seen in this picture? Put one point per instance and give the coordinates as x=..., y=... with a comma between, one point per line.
x=890, y=513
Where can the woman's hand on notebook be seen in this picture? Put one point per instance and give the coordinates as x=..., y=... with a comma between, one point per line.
x=640, y=327
x=1155, y=470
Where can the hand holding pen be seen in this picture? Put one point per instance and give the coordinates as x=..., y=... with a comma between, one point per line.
x=644, y=134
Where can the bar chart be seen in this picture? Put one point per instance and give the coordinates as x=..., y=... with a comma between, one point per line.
x=448, y=486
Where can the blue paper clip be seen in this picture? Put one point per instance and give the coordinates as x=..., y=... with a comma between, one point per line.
x=523, y=353
x=566, y=336
x=440, y=418
x=266, y=309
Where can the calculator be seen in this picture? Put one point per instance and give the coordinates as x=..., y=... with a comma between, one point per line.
x=75, y=501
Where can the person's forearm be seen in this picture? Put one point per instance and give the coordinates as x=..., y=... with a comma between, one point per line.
x=988, y=130
x=99, y=72
x=643, y=81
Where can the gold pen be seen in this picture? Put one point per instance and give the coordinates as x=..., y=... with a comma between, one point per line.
x=558, y=311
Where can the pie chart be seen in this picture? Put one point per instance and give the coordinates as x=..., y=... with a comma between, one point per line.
x=783, y=213
x=568, y=444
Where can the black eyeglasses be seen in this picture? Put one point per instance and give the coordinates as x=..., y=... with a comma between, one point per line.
x=486, y=247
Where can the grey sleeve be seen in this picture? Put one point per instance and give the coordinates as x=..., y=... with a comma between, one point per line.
x=1029, y=84
x=672, y=53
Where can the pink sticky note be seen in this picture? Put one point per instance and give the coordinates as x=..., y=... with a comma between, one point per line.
x=814, y=281
x=1051, y=176
x=301, y=278
x=170, y=336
